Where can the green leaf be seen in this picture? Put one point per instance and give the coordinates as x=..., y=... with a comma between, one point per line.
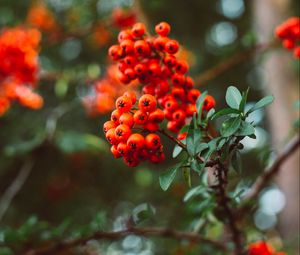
x=177, y=150
x=230, y=126
x=244, y=100
x=246, y=129
x=197, y=166
x=199, y=103
x=225, y=111
x=194, y=192
x=233, y=97
x=201, y=147
x=187, y=176
x=261, y=103
x=210, y=113
x=192, y=140
x=166, y=178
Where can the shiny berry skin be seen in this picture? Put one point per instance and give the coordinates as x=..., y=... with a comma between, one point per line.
x=122, y=148
x=152, y=141
x=140, y=68
x=157, y=158
x=172, y=47
x=178, y=80
x=151, y=126
x=156, y=116
x=149, y=89
x=147, y=103
x=115, y=52
x=160, y=43
x=193, y=95
x=115, y=115
x=189, y=82
x=108, y=125
x=179, y=93
x=140, y=118
x=131, y=161
x=127, y=47
x=173, y=126
x=182, y=136
x=142, y=48
x=209, y=102
x=130, y=61
x=162, y=29
x=110, y=136
x=138, y=30
x=170, y=61
x=123, y=104
x=181, y=67
x=114, y=151
x=171, y=105
x=124, y=35
x=127, y=119
x=190, y=110
x=123, y=78
x=131, y=95
x=179, y=115
x=135, y=142
x=122, y=132
x=130, y=73
x=154, y=69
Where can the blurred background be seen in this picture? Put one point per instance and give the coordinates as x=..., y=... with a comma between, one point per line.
x=66, y=175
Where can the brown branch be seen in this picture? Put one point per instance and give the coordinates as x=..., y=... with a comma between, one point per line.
x=227, y=212
x=172, y=138
x=147, y=232
x=267, y=175
x=232, y=61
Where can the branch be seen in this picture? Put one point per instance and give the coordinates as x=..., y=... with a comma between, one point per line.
x=266, y=176
x=232, y=61
x=146, y=232
x=172, y=138
x=236, y=235
x=15, y=187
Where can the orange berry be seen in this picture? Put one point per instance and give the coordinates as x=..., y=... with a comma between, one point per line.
x=135, y=142
x=123, y=104
x=147, y=103
x=152, y=141
x=122, y=132
x=108, y=125
x=163, y=29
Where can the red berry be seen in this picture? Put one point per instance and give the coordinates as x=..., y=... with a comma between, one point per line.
x=140, y=118
x=172, y=46
x=193, y=95
x=123, y=104
x=108, y=125
x=138, y=30
x=127, y=47
x=127, y=119
x=115, y=115
x=110, y=136
x=135, y=142
x=152, y=141
x=114, y=151
x=122, y=148
x=209, y=102
x=122, y=132
x=115, y=52
x=162, y=29
x=151, y=126
x=142, y=48
x=131, y=95
x=147, y=103
x=156, y=116
x=179, y=115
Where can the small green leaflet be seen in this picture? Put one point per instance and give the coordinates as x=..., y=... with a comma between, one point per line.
x=262, y=103
x=192, y=140
x=166, y=178
x=246, y=129
x=194, y=192
x=199, y=103
x=177, y=150
x=225, y=111
x=244, y=100
x=233, y=97
x=230, y=126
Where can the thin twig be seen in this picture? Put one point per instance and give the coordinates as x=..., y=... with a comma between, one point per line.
x=147, y=232
x=267, y=175
x=15, y=187
x=172, y=138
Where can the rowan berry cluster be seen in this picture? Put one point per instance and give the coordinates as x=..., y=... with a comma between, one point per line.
x=289, y=33
x=262, y=248
x=19, y=68
x=152, y=61
x=131, y=130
